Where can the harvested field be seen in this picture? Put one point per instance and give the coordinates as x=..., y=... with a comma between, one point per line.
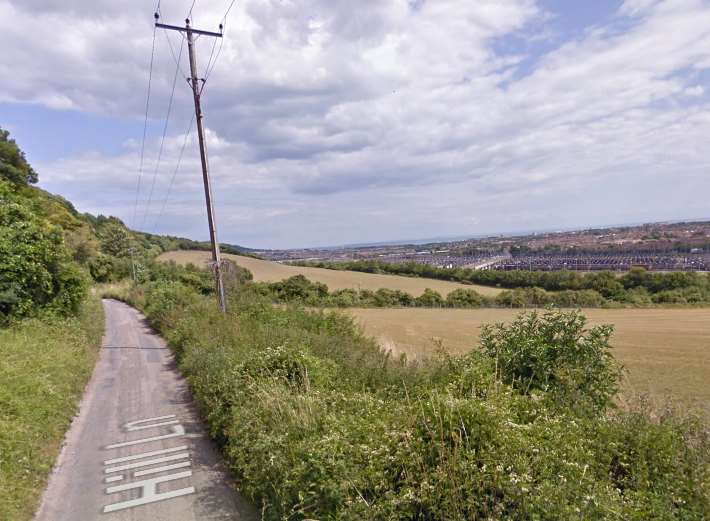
x=267, y=271
x=665, y=351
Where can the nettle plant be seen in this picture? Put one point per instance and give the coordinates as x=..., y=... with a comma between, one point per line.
x=552, y=352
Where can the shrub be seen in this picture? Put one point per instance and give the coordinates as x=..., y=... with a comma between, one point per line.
x=511, y=299
x=581, y=298
x=344, y=298
x=552, y=352
x=464, y=298
x=299, y=289
x=385, y=297
x=429, y=299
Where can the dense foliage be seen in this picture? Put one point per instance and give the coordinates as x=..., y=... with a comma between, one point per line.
x=36, y=271
x=317, y=423
x=637, y=286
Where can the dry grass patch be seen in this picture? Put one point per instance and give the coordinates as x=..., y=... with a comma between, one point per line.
x=268, y=271
x=666, y=351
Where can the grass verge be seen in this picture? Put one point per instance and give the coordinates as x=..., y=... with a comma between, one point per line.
x=44, y=367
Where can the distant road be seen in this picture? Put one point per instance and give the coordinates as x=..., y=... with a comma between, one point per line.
x=137, y=450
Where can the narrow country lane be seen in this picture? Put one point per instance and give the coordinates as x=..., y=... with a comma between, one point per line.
x=137, y=450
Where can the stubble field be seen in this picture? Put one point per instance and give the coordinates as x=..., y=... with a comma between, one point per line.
x=267, y=271
x=666, y=351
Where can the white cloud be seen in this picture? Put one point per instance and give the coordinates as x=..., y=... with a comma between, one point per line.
x=695, y=91
x=324, y=114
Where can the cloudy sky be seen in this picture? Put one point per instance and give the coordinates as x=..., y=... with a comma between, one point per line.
x=335, y=121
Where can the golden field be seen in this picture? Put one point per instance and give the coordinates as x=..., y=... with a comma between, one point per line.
x=267, y=271
x=666, y=351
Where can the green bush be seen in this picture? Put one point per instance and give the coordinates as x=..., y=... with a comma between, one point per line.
x=299, y=289
x=552, y=352
x=392, y=298
x=345, y=298
x=35, y=269
x=581, y=298
x=464, y=298
x=429, y=299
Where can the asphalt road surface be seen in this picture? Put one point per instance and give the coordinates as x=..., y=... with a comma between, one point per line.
x=137, y=450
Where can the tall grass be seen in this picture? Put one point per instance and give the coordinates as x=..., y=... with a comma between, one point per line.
x=317, y=423
x=44, y=366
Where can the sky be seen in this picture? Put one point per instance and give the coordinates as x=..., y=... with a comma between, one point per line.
x=335, y=122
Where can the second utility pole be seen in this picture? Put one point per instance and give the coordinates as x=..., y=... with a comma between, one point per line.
x=196, y=93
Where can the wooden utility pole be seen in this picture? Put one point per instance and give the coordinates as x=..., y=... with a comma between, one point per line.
x=196, y=93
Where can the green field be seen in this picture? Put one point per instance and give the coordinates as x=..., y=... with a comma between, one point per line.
x=666, y=351
x=267, y=271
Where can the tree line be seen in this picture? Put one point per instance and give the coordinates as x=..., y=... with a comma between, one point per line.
x=636, y=287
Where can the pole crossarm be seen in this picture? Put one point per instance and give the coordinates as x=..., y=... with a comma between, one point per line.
x=186, y=29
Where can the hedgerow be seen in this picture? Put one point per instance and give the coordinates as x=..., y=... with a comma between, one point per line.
x=298, y=289
x=637, y=286
x=316, y=422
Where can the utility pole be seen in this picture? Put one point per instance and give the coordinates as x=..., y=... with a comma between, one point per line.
x=196, y=94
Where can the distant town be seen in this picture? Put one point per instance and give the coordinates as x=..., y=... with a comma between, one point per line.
x=678, y=246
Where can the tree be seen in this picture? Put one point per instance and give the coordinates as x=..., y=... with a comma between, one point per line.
x=13, y=165
x=115, y=239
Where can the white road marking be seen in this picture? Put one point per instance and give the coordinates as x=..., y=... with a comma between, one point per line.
x=148, y=487
x=140, y=473
x=144, y=455
x=149, y=491
x=178, y=430
x=147, y=463
x=132, y=426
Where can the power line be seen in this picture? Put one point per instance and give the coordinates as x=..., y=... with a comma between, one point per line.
x=209, y=61
x=208, y=71
x=228, y=9
x=177, y=168
x=176, y=59
x=165, y=131
x=145, y=129
x=222, y=24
